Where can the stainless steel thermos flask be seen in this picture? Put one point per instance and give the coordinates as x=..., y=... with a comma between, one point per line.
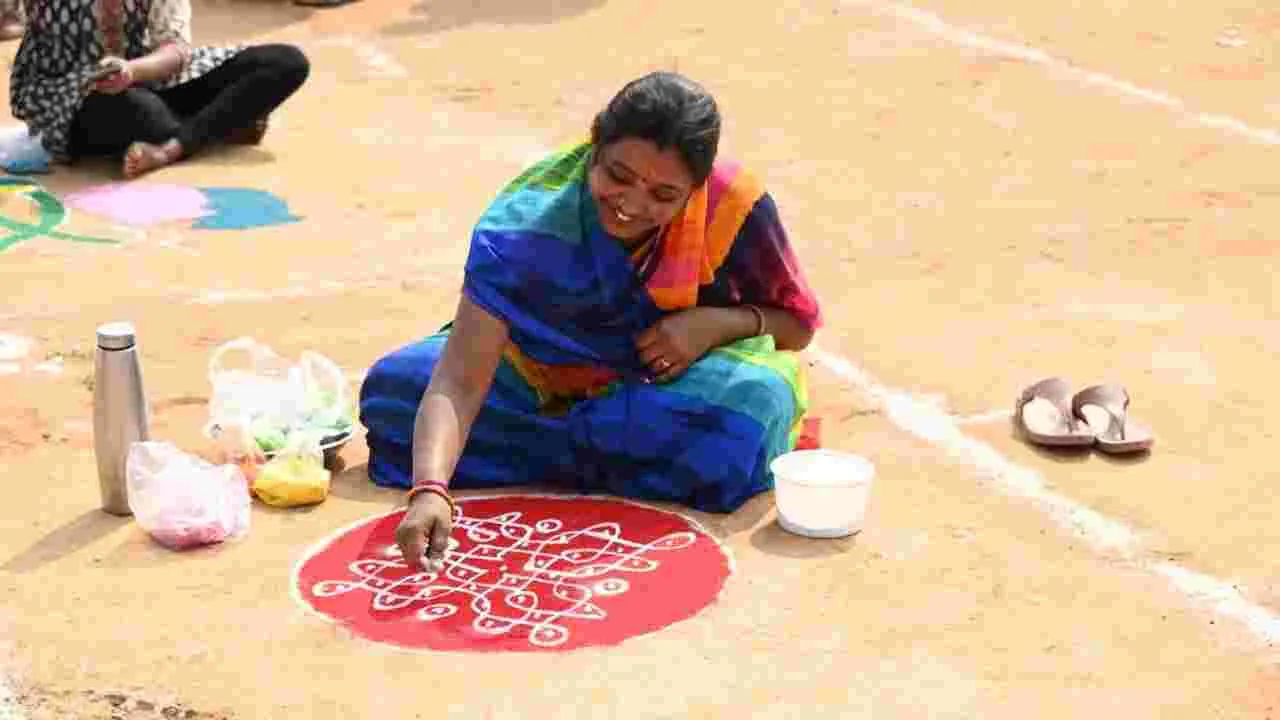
x=120, y=414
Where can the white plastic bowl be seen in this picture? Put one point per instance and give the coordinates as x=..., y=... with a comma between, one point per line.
x=822, y=493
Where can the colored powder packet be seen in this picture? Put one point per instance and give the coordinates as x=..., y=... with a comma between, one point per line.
x=810, y=434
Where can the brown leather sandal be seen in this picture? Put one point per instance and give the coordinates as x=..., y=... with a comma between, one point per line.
x=1043, y=415
x=1105, y=408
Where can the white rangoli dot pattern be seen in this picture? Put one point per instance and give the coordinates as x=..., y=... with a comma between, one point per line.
x=552, y=587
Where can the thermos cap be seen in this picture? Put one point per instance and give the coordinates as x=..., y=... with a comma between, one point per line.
x=116, y=336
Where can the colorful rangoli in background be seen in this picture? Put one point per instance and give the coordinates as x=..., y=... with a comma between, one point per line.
x=523, y=573
x=137, y=205
x=146, y=204
x=50, y=213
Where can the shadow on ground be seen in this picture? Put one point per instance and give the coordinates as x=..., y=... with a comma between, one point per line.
x=235, y=21
x=431, y=16
x=83, y=530
x=771, y=539
x=90, y=172
x=353, y=483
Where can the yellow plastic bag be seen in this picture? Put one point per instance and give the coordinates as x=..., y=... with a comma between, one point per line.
x=296, y=476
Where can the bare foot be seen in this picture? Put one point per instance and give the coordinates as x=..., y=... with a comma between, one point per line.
x=143, y=157
x=11, y=28
x=251, y=135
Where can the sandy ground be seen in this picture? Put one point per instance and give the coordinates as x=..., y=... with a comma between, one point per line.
x=1094, y=199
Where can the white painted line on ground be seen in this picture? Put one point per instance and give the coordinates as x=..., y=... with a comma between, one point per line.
x=933, y=23
x=14, y=347
x=1223, y=598
x=925, y=420
x=929, y=422
x=51, y=367
x=221, y=297
x=983, y=418
x=379, y=62
x=1108, y=536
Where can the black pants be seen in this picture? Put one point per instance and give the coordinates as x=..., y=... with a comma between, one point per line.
x=231, y=97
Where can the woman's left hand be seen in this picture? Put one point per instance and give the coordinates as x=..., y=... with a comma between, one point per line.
x=118, y=81
x=679, y=340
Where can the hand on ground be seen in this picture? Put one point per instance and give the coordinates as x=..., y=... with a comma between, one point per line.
x=424, y=532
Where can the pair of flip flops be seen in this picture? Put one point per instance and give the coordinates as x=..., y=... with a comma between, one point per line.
x=1049, y=414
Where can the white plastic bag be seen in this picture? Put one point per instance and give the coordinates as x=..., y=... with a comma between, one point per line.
x=267, y=391
x=274, y=398
x=21, y=153
x=183, y=501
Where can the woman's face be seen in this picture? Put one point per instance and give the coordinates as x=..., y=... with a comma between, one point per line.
x=638, y=187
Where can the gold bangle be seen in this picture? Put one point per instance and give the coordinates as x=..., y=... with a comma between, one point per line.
x=760, y=324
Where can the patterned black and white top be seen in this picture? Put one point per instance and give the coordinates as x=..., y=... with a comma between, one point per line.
x=64, y=41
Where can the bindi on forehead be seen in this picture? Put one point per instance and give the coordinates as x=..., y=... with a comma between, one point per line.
x=658, y=169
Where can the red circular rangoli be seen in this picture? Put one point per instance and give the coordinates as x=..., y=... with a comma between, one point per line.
x=523, y=572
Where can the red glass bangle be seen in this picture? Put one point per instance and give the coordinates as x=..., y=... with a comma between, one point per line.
x=435, y=488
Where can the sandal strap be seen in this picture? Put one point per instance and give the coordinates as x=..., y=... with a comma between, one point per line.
x=1055, y=390
x=1112, y=398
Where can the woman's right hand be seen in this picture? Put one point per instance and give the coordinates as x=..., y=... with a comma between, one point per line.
x=115, y=75
x=424, y=531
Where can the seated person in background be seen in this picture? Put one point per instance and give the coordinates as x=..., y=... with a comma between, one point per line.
x=627, y=325
x=104, y=77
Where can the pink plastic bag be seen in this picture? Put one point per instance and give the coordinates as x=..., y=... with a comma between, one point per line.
x=183, y=501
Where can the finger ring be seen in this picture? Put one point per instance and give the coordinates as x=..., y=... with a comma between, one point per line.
x=665, y=363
